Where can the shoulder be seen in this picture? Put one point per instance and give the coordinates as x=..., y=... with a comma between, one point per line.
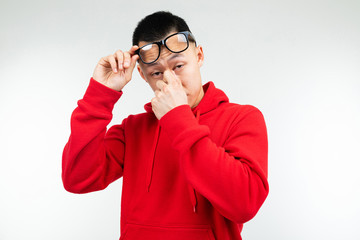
x=241, y=110
x=243, y=116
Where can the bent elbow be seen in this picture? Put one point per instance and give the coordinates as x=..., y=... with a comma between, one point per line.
x=71, y=186
x=246, y=215
x=249, y=209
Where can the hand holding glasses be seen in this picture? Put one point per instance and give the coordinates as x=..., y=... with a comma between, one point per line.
x=115, y=70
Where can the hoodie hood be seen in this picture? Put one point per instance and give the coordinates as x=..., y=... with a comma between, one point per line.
x=212, y=98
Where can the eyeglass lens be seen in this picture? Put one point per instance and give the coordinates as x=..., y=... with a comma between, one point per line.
x=175, y=43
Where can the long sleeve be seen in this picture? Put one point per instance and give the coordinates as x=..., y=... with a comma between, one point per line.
x=233, y=177
x=93, y=157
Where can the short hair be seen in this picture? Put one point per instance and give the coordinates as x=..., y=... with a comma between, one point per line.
x=157, y=25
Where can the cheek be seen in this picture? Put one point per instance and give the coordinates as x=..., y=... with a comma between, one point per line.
x=186, y=74
x=190, y=77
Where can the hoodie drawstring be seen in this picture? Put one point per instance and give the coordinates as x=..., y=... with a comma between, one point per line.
x=191, y=189
x=152, y=157
x=151, y=165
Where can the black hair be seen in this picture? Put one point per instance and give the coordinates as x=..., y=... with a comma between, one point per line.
x=157, y=25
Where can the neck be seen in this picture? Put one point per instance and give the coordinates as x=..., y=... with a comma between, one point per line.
x=198, y=99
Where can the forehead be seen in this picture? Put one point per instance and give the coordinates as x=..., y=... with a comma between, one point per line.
x=143, y=43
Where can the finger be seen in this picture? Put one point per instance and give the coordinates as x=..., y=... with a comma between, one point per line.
x=126, y=59
x=112, y=61
x=169, y=78
x=130, y=69
x=153, y=102
x=120, y=58
x=160, y=84
x=134, y=58
x=157, y=92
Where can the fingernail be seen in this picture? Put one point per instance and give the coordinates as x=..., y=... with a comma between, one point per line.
x=115, y=70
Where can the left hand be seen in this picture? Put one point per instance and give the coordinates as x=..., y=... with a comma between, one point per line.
x=169, y=95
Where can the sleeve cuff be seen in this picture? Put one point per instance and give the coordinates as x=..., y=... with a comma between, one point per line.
x=101, y=96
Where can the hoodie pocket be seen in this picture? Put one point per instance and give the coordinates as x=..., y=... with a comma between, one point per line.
x=144, y=232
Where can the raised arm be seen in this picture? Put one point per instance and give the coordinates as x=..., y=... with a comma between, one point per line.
x=93, y=157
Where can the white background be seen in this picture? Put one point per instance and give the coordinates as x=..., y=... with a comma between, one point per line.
x=297, y=61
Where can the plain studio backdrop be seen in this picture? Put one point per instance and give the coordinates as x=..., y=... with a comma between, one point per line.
x=297, y=61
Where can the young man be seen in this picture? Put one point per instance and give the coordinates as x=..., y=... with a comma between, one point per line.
x=194, y=165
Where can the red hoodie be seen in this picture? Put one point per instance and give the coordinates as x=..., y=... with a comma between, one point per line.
x=194, y=174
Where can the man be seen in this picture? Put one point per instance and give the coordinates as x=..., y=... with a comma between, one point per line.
x=194, y=165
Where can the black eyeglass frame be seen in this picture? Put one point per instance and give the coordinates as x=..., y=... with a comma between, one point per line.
x=163, y=42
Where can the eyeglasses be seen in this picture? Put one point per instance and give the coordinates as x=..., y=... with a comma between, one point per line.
x=176, y=43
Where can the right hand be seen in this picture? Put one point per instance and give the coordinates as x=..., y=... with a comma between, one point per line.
x=115, y=70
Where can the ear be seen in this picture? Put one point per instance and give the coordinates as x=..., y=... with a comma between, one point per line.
x=141, y=72
x=199, y=55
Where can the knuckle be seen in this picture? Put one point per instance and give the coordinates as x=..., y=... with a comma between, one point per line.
x=107, y=58
x=111, y=58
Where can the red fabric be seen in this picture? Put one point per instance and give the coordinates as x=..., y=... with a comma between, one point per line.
x=194, y=174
